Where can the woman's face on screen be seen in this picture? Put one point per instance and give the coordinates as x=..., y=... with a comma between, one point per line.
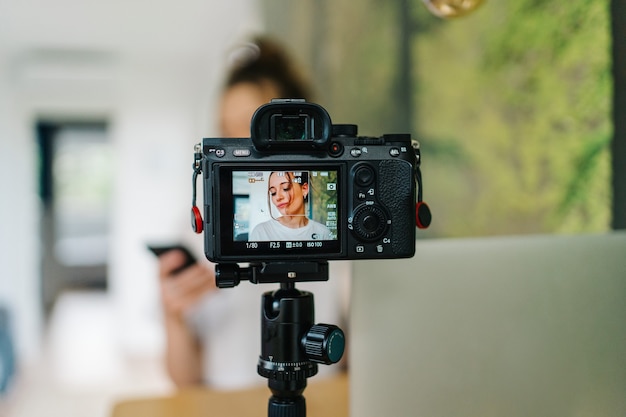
x=286, y=194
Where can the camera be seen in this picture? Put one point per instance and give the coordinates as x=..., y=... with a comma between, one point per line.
x=302, y=189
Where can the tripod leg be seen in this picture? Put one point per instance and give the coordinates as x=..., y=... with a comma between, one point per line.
x=280, y=407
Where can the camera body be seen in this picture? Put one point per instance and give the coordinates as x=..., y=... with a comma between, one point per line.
x=354, y=197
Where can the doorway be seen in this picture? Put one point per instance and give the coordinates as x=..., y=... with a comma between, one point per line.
x=75, y=183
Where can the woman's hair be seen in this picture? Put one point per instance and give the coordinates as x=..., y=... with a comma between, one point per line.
x=263, y=60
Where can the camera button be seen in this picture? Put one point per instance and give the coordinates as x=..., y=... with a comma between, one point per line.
x=335, y=149
x=220, y=153
x=394, y=151
x=364, y=194
x=241, y=152
x=356, y=152
x=364, y=175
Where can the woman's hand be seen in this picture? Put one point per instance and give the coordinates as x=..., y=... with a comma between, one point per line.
x=181, y=290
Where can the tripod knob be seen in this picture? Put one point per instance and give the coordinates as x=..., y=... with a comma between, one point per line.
x=227, y=275
x=324, y=343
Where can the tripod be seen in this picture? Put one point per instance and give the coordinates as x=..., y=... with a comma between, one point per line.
x=291, y=344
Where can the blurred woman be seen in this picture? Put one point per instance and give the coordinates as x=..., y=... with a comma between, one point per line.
x=213, y=336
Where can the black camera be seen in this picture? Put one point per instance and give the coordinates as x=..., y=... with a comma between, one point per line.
x=303, y=189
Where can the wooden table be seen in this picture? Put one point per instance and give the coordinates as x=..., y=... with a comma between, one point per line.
x=326, y=397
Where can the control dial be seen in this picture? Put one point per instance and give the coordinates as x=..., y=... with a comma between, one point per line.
x=369, y=222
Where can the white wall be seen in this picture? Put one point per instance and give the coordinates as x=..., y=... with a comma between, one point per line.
x=154, y=131
x=19, y=215
x=153, y=70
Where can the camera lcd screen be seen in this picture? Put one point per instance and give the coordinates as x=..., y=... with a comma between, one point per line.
x=279, y=213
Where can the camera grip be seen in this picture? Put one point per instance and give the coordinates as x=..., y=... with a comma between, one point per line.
x=396, y=194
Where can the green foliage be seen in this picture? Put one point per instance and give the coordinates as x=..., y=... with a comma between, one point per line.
x=512, y=106
x=523, y=87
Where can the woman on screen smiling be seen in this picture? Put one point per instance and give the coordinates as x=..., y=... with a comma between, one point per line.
x=288, y=193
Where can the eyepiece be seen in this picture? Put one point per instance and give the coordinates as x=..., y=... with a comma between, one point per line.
x=290, y=125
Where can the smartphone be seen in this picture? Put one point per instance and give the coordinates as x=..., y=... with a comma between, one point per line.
x=159, y=250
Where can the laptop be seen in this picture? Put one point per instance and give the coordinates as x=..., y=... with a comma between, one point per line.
x=499, y=326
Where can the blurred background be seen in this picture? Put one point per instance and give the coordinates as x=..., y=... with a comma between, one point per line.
x=101, y=103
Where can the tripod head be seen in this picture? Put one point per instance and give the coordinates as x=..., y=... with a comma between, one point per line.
x=230, y=275
x=292, y=344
